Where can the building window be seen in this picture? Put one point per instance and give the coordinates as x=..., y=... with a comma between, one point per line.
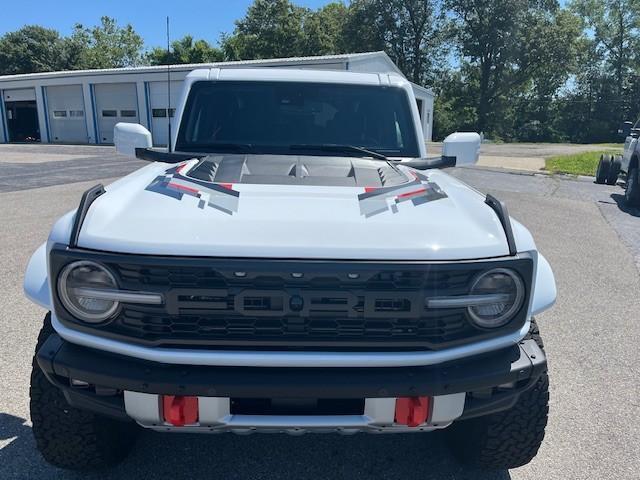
x=76, y=113
x=109, y=113
x=162, y=112
x=128, y=113
x=59, y=114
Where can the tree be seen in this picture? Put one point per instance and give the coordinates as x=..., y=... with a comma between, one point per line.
x=616, y=33
x=546, y=58
x=185, y=51
x=324, y=30
x=31, y=49
x=270, y=29
x=410, y=31
x=508, y=47
x=107, y=45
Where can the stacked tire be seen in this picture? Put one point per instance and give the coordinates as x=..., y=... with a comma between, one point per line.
x=608, y=169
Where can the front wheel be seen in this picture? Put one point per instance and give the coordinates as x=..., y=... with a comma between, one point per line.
x=68, y=437
x=632, y=188
x=507, y=439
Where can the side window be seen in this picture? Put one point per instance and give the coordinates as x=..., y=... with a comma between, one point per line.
x=637, y=124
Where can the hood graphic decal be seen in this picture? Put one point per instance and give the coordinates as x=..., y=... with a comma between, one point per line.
x=220, y=196
x=379, y=200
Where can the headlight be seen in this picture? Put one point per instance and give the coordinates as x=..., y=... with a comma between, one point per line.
x=500, y=293
x=79, y=287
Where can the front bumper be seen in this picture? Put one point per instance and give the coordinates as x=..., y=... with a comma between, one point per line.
x=490, y=382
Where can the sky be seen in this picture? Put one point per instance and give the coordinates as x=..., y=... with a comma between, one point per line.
x=200, y=18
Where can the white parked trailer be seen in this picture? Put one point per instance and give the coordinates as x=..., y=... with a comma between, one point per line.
x=139, y=95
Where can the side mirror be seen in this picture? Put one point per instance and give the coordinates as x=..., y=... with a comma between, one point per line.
x=625, y=129
x=129, y=136
x=464, y=146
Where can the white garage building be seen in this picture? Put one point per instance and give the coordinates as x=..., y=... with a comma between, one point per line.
x=83, y=106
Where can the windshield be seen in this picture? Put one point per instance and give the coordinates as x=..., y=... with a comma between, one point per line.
x=273, y=117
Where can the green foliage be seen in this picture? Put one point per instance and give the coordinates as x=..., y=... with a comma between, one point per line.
x=30, y=49
x=584, y=163
x=107, y=45
x=324, y=30
x=410, y=31
x=517, y=70
x=185, y=51
x=37, y=49
x=270, y=29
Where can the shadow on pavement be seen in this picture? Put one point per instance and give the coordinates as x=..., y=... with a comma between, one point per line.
x=619, y=199
x=261, y=456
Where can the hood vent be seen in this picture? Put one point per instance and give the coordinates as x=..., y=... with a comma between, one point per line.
x=298, y=170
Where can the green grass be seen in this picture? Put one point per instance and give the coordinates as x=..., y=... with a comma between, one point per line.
x=576, y=164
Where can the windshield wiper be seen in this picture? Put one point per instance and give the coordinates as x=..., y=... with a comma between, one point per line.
x=330, y=147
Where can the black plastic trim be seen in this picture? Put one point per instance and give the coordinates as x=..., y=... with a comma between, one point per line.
x=429, y=163
x=61, y=359
x=503, y=215
x=87, y=199
x=61, y=256
x=151, y=155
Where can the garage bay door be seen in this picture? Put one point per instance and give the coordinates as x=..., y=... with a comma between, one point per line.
x=21, y=115
x=65, y=107
x=158, y=95
x=115, y=102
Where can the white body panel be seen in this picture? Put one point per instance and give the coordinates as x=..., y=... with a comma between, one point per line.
x=280, y=221
x=465, y=146
x=129, y=136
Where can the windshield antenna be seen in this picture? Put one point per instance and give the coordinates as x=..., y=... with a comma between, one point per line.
x=168, y=87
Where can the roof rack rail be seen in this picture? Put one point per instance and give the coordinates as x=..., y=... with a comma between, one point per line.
x=503, y=215
x=87, y=199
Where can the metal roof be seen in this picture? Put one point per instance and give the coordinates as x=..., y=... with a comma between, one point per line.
x=289, y=61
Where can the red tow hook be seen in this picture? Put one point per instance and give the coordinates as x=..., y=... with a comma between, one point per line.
x=179, y=410
x=412, y=411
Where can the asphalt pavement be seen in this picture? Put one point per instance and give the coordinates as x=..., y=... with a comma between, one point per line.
x=591, y=240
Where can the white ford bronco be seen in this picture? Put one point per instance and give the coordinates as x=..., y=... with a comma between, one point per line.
x=293, y=263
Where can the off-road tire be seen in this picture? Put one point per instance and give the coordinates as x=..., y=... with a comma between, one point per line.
x=507, y=439
x=602, y=172
x=614, y=170
x=632, y=188
x=71, y=438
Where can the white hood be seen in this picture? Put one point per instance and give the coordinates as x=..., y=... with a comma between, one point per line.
x=292, y=221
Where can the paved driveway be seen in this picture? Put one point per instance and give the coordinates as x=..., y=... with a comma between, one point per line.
x=591, y=337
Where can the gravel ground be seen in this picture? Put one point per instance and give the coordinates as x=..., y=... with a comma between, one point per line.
x=592, y=244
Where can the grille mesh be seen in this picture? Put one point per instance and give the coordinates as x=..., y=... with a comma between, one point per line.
x=349, y=307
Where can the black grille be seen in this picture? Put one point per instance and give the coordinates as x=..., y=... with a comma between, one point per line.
x=290, y=304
